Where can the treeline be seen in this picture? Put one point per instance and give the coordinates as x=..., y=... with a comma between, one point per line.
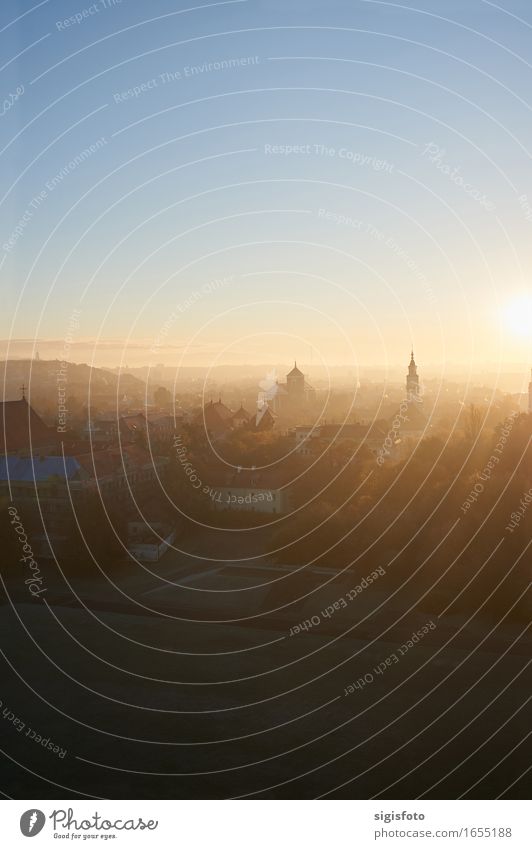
x=440, y=521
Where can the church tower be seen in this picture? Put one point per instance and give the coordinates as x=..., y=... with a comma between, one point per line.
x=295, y=384
x=412, y=381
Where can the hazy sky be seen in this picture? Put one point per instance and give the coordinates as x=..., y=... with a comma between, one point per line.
x=247, y=181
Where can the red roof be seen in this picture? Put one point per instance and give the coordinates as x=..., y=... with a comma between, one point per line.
x=242, y=414
x=22, y=429
x=215, y=417
x=263, y=418
x=223, y=411
x=114, y=461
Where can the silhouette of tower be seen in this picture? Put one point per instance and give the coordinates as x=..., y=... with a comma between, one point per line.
x=412, y=381
x=295, y=384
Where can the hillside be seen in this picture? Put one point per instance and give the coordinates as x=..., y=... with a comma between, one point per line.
x=40, y=377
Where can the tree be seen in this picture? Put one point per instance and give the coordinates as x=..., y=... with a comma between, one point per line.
x=473, y=424
x=162, y=397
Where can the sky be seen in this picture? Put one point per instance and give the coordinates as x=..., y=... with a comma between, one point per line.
x=246, y=181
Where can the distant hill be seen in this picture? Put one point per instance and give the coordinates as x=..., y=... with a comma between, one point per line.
x=40, y=377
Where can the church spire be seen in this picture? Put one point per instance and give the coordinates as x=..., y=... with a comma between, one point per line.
x=412, y=380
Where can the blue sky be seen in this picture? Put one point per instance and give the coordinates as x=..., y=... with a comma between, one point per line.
x=305, y=150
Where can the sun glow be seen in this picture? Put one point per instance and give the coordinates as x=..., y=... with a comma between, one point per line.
x=517, y=315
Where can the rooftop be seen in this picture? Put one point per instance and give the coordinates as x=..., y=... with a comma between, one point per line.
x=22, y=429
x=38, y=469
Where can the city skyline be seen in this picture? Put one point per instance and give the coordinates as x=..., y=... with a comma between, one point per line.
x=266, y=417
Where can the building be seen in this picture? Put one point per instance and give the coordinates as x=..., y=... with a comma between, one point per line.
x=317, y=440
x=530, y=393
x=241, y=418
x=111, y=473
x=216, y=418
x=49, y=487
x=253, y=490
x=263, y=419
x=161, y=427
x=23, y=431
x=149, y=541
x=409, y=423
x=290, y=397
x=413, y=424
x=128, y=429
x=413, y=394
x=404, y=423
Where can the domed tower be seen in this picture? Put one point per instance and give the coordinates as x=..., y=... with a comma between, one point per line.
x=295, y=383
x=412, y=381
